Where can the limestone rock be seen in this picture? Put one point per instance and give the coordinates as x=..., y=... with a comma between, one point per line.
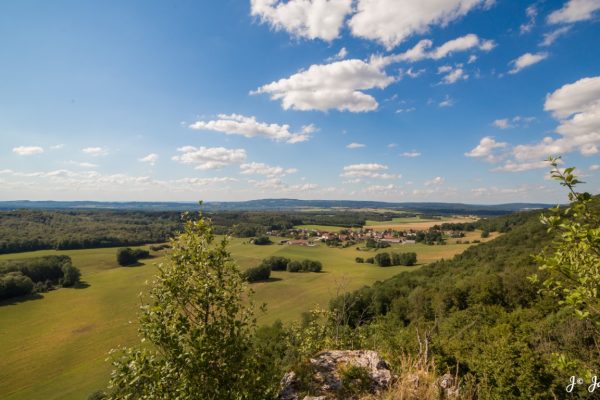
x=326, y=369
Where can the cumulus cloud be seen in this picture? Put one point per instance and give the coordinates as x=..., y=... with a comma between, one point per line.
x=577, y=107
x=311, y=19
x=339, y=85
x=531, y=13
x=506, y=123
x=150, y=159
x=28, y=150
x=454, y=75
x=255, y=168
x=502, y=123
x=551, y=37
x=95, y=151
x=205, y=158
x=447, y=102
x=368, y=170
x=354, y=145
x=235, y=124
x=486, y=149
x=574, y=11
x=411, y=154
x=438, y=180
x=86, y=165
x=390, y=22
x=423, y=49
x=512, y=166
x=526, y=60
x=339, y=56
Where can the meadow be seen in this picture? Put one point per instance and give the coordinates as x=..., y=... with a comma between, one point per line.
x=54, y=346
x=415, y=223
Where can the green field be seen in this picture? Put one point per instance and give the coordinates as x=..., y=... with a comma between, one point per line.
x=54, y=347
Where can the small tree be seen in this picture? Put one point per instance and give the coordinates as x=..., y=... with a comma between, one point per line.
x=126, y=256
x=197, y=330
x=572, y=263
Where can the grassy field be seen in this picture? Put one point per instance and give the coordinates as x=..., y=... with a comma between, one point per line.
x=326, y=228
x=416, y=223
x=54, y=347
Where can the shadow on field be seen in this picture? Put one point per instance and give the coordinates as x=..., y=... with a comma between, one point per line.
x=81, y=285
x=268, y=280
x=22, y=299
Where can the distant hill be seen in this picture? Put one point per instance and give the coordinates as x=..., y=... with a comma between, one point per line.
x=274, y=204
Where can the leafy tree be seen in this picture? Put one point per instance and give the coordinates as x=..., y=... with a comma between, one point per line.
x=71, y=275
x=14, y=284
x=572, y=263
x=197, y=331
x=276, y=263
x=359, y=260
x=126, y=256
x=255, y=274
x=383, y=259
x=294, y=266
x=485, y=234
x=262, y=240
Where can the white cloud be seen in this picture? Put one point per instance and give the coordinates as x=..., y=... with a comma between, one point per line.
x=438, y=180
x=312, y=19
x=205, y=181
x=151, y=159
x=421, y=51
x=551, y=37
x=594, y=167
x=410, y=73
x=339, y=85
x=369, y=170
x=454, y=76
x=390, y=22
x=486, y=149
x=83, y=164
x=526, y=60
x=531, y=13
x=57, y=147
x=502, y=123
x=205, y=158
x=339, y=56
x=577, y=107
x=95, y=151
x=255, y=168
x=392, y=145
x=447, y=102
x=354, y=145
x=235, y=124
x=28, y=150
x=512, y=166
x=472, y=59
x=574, y=11
x=411, y=154
x=405, y=110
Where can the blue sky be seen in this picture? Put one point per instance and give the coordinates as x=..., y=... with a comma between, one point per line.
x=414, y=100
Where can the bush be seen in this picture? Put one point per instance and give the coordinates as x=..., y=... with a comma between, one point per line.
x=71, y=275
x=485, y=234
x=260, y=273
x=406, y=259
x=276, y=263
x=14, y=284
x=126, y=256
x=311, y=266
x=383, y=259
x=262, y=240
x=370, y=260
x=359, y=260
x=141, y=253
x=294, y=266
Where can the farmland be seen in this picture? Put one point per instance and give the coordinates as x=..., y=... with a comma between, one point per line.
x=55, y=347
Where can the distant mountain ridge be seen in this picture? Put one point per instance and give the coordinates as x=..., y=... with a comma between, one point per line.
x=273, y=204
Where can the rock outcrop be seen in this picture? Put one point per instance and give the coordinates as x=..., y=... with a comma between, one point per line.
x=338, y=374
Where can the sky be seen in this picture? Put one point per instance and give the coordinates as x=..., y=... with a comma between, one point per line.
x=228, y=100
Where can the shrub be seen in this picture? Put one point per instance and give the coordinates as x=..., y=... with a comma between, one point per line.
x=276, y=263
x=294, y=266
x=141, y=253
x=370, y=260
x=260, y=273
x=71, y=275
x=126, y=256
x=311, y=266
x=485, y=234
x=359, y=260
x=262, y=240
x=14, y=284
x=383, y=259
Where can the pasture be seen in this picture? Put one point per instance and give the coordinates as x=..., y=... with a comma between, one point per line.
x=55, y=346
x=415, y=223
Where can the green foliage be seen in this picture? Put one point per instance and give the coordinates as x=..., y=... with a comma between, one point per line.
x=383, y=259
x=262, y=240
x=355, y=381
x=13, y=284
x=276, y=263
x=572, y=264
x=197, y=332
x=255, y=274
x=359, y=260
x=386, y=259
x=71, y=275
x=485, y=234
x=376, y=244
x=128, y=256
x=304, y=266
